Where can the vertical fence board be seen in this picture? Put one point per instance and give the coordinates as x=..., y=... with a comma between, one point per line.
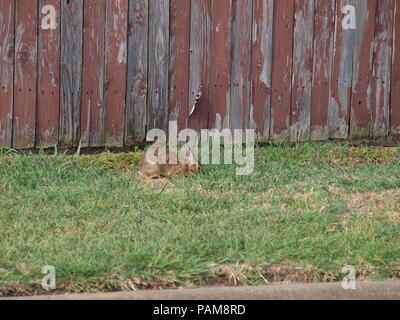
x=115, y=85
x=25, y=87
x=200, y=59
x=49, y=53
x=136, y=96
x=93, y=108
x=360, y=120
x=395, y=94
x=71, y=71
x=240, y=87
x=221, y=15
x=382, y=68
x=179, y=61
x=282, y=70
x=261, y=68
x=158, y=64
x=7, y=19
x=324, y=29
x=302, y=70
x=340, y=101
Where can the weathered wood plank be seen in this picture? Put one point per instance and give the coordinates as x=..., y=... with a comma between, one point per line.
x=71, y=71
x=93, y=107
x=340, y=100
x=302, y=70
x=25, y=86
x=158, y=81
x=395, y=92
x=115, y=85
x=136, y=97
x=360, y=121
x=200, y=57
x=7, y=19
x=49, y=54
x=221, y=13
x=282, y=70
x=324, y=30
x=239, y=113
x=179, y=61
x=382, y=68
x=259, y=117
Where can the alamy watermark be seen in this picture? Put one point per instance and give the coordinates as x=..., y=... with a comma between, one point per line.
x=237, y=145
x=349, y=281
x=349, y=22
x=49, y=21
x=49, y=280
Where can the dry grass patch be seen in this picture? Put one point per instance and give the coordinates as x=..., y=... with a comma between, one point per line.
x=386, y=203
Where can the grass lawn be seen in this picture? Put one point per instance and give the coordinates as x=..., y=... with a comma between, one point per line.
x=306, y=212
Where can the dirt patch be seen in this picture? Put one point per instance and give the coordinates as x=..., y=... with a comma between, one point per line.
x=239, y=274
x=219, y=275
x=388, y=141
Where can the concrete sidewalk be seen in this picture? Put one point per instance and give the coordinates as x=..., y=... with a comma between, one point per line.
x=387, y=290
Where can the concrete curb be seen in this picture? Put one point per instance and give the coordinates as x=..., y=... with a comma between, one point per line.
x=368, y=290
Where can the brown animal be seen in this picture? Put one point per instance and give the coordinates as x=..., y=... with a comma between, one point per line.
x=184, y=167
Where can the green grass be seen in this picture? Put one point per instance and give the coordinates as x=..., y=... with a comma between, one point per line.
x=314, y=206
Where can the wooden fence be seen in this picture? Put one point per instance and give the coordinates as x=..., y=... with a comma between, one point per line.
x=113, y=69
